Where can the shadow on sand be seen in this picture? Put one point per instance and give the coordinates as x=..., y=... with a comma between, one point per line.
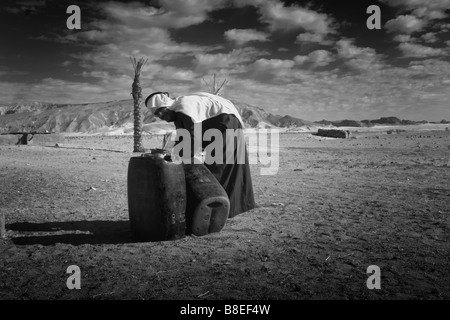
x=71, y=232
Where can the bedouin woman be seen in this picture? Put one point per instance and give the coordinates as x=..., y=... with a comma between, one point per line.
x=212, y=112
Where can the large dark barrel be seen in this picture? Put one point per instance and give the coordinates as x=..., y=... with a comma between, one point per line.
x=156, y=198
x=208, y=205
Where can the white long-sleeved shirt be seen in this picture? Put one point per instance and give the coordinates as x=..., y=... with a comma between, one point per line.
x=200, y=106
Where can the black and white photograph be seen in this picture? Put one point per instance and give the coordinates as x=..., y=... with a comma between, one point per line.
x=225, y=154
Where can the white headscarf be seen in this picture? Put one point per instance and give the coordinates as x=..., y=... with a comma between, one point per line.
x=158, y=101
x=198, y=106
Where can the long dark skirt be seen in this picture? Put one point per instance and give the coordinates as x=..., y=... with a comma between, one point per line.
x=235, y=177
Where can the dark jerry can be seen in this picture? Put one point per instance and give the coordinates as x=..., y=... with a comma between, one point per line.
x=156, y=197
x=208, y=205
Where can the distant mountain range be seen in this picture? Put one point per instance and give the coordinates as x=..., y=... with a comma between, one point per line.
x=393, y=121
x=117, y=116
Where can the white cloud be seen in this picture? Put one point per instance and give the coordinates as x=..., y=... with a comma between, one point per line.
x=418, y=51
x=429, y=9
x=346, y=49
x=111, y=44
x=26, y=6
x=11, y=91
x=412, y=4
x=61, y=91
x=321, y=57
x=192, y=7
x=66, y=63
x=205, y=61
x=117, y=40
x=272, y=69
x=429, y=13
x=366, y=63
x=363, y=59
x=402, y=38
x=211, y=61
x=242, y=36
x=300, y=59
x=96, y=74
x=438, y=68
x=280, y=17
x=5, y=71
x=405, y=24
x=172, y=14
x=171, y=73
x=318, y=58
x=272, y=64
x=312, y=37
x=429, y=37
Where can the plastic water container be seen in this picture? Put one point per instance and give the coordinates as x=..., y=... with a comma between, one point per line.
x=156, y=197
x=208, y=205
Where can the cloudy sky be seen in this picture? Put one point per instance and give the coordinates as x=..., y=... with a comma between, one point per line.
x=310, y=59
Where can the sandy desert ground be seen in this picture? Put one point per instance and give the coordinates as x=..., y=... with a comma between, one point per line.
x=334, y=208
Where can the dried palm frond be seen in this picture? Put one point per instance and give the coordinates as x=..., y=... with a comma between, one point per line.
x=214, y=87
